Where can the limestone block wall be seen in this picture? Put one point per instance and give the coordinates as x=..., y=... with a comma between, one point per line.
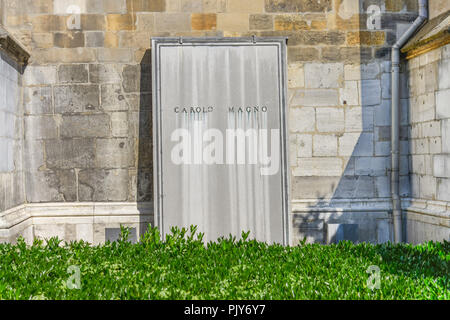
x=11, y=134
x=427, y=213
x=87, y=104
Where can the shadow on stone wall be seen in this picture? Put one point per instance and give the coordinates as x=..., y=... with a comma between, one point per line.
x=366, y=175
x=144, y=175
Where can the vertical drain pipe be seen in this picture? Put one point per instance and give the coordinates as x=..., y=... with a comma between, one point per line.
x=395, y=125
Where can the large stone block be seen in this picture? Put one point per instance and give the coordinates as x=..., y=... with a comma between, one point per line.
x=203, y=21
x=39, y=75
x=302, y=119
x=316, y=98
x=296, y=75
x=349, y=94
x=238, y=22
x=444, y=75
x=116, y=55
x=364, y=147
x=445, y=134
x=372, y=166
x=103, y=185
x=324, y=75
x=314, y=187
x=303, y=146
x=69, y=40
x=76, y=98
x=120, y=22
x=95, y=39
x=383, y=113
x=73, y=73
x=115, y=153
x=298, y=6
x=105, y=73
x=325, y=145
x=172, y=22
x=370, y=92
x=261, y=22
x=443, y=104
x=347, y=143
x=119, y=124
x=113, y=98
x=70, y=153
x=310, y=167
x=94, y=125
x=443, y=189
x=145, y=5
x=441, y=166
x=136, y=79
x=40, y=127
x=355, y=187
x=33, y=155
x=330, y=119
x=38, y=100
x=301, y=54
x=51, y=185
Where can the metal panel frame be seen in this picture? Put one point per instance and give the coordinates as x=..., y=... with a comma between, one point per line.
x=280, y=42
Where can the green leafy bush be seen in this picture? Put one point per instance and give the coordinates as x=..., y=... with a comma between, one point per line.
x=184, y=267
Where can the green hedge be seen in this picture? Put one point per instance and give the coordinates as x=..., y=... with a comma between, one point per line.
x=183, y=267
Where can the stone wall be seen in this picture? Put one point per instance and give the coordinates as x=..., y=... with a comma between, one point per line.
x=427, y=212
x=11, y=134
x=87, y=104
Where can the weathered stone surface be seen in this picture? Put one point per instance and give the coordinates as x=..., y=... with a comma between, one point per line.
x=302, y=119
x=296, y=75
x=308, y=167
x=73, y=73
x=115, y=153
x=38, y=100
x=119, y=22
x=76, y=98
x=325, y=145
x=116, y=55
x=104, y=73
x=95, y=39
x=370, y=92
x=298, y=6
x=39, y=75
x=51, y=185
x=324, y=75
x=103, y=185
x=233, y=22
x=113, y=98
x=442, y=104
x=69, y=40
x=204, y=21
x=349, y=94
x=172, y=22
x=318, y=187
x=70, y=153
x=315, y=98
x=300, y=54
x=145, y=5
x=40, y=127
x=261, y=22
x=330, y=119
x=94, y=125
x=136, y=79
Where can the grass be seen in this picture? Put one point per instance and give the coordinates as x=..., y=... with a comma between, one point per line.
x=183, y=267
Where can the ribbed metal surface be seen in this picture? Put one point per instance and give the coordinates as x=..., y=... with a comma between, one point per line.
x=220, y=198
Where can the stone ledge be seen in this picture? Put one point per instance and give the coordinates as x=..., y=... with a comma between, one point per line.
x=38, y=219
x=12, y=47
